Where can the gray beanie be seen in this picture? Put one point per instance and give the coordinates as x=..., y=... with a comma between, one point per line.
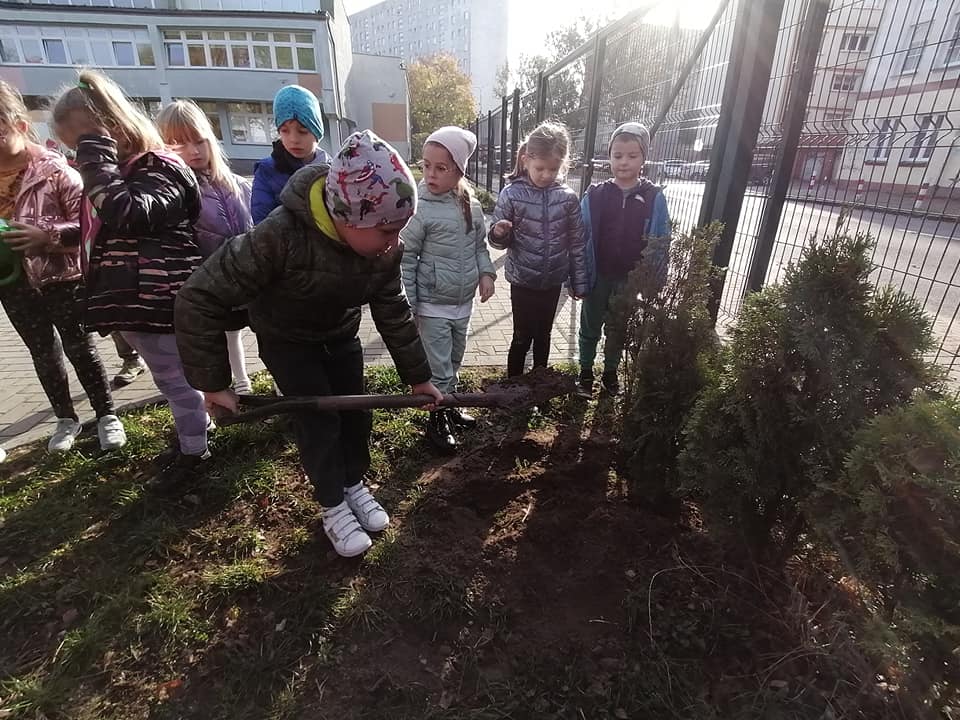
x=638, y=130
x=459, y=143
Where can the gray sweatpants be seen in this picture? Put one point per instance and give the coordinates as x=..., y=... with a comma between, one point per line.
x=444, y=342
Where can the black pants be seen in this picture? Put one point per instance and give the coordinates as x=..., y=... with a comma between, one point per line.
x=533, y=314
x=37, y=316
x=124, y=350
x=334, y=446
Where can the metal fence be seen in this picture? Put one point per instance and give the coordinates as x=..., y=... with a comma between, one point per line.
x=778, y=118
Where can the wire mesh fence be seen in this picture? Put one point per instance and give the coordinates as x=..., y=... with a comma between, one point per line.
x=878, y=146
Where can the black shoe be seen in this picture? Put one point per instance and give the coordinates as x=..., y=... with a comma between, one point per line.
x=439, y=432
x=610, y=384
x=585, y=385
x=461, y=419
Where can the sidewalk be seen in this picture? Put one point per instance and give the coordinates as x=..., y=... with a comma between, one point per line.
x=25, y=414
x=945, y=205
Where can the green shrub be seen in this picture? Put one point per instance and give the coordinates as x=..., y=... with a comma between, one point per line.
x=669, y=342
x=894, y=517
x=487, y=200
x=807, y=364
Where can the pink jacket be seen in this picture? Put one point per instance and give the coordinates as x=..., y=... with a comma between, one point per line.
x=49, y=198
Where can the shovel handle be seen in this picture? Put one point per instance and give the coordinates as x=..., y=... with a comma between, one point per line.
x=262, y=406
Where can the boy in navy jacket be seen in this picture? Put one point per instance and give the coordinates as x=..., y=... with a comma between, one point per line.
x=619, y=215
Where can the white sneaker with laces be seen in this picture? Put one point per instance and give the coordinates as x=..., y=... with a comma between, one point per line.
x=372, y=516
x=111, y=432
x=341, y=526
x=64, y=435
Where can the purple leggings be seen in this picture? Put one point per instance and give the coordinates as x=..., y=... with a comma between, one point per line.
x=186, y=404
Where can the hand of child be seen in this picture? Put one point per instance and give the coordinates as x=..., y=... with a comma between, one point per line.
x=502, y=228
x=26, y=238
x=222, y=403
x=486, y=288
x=428, y=388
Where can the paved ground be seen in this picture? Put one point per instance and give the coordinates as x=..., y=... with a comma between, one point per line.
x=25, y=414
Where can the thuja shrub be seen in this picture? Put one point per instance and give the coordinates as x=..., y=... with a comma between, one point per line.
x=808, y=363
x=669, y=340
x=893, y=516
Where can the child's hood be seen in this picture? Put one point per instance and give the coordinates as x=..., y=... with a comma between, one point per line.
x=295, y=195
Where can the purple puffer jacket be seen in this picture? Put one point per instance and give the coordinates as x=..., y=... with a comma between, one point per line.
x=223, y=215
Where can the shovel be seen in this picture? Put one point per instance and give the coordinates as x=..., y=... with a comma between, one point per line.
x=535, y=388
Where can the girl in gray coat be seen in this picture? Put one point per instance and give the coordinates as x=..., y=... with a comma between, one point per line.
x=537, y=220
x=445, y=261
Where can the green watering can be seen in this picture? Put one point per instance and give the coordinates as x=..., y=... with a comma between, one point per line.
x=10, y=262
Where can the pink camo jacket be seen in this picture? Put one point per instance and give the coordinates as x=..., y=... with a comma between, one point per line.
x=49, y=198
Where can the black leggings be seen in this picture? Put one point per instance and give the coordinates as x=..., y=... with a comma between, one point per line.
x=533, y=314
x=35, y=314
x=334, y=446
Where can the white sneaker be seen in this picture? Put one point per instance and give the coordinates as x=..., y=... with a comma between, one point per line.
x=341, y=526
x=63, y=437
x=3, y=454
x=111, y=432
x=372, y=516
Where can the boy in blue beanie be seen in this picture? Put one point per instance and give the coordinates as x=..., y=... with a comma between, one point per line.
x=299, y=120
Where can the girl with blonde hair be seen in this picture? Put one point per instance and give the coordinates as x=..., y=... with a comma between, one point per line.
x=224, y=199
x=140, y=203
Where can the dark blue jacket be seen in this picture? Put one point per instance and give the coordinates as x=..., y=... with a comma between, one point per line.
x=270, y=176
x=617, y=225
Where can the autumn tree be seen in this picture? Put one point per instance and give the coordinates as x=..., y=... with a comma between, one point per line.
x=440, y=94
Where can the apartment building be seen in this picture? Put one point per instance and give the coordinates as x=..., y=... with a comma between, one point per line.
x=230, y=56
x=473, y=31
x=906, y=108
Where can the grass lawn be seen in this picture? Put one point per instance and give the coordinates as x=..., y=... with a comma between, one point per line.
x=518, y=580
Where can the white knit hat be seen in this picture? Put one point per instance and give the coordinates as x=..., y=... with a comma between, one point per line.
x=459, y=143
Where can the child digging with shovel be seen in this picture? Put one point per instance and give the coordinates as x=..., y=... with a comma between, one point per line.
x=304, y=274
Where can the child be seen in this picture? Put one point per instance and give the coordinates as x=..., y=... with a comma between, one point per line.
x=304, y=273
x=299, y=121
x=40, y=197
x=224, y=199
x=137, y=242
x=619, y=215
x=537, y=220
x=445, y=259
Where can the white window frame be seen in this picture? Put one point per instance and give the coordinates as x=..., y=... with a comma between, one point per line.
x=925, y=140
x=913, y=54
x=881, y=144
x=951, y=51
x=93, y=41
x=856, y=42
x=846, y=81
x=297, y=42
x=243, y=118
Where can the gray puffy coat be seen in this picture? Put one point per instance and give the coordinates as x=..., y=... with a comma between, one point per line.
x=442, y=260
x=547, y=244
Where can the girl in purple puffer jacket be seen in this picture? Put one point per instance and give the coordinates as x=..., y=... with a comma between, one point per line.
x=225, y=199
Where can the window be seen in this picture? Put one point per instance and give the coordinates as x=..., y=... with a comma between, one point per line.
x=9, y=53
x=251, y=123
x=66, y=45
x=878, y=150
x=123, y=51
x=145, y=54
x=952, y=55
x=914, y=51
x=925, y=140
x=846, y=82
x=241, y=49
x=55, y=51
x=855, y=42
x=175, y=56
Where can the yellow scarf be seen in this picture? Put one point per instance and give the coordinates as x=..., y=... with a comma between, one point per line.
x=318, y=209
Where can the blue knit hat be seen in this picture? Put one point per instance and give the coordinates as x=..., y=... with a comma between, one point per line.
x=297, y=103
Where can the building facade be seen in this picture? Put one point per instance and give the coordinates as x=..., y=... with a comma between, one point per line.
x=377, y=98
x=473, y=31
x=227, y=55
x=907, y=108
